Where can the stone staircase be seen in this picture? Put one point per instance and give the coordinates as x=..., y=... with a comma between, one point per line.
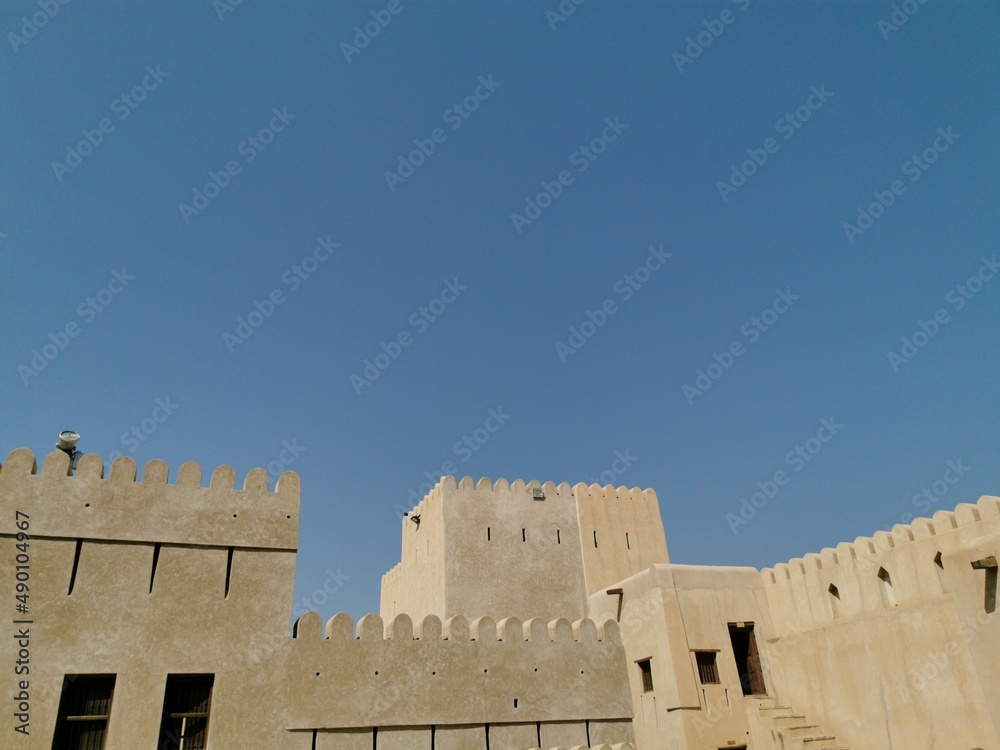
x=777, y=727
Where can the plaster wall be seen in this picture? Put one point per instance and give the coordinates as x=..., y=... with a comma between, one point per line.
x=97, y=603
x=667, y=613
x=900, y=668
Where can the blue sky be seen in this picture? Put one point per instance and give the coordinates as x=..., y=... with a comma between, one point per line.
x=704, y=160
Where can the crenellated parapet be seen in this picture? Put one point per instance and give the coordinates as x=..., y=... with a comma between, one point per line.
x=454, y=672
x=905, y=566
x=125, y=507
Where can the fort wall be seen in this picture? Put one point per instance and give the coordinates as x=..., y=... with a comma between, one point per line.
x=891, y=640
x=621, y=533
x=142, y=578
x=522, y=548
x=667, y=614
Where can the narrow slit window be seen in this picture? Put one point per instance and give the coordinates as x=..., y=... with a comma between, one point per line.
x=834, y=598
x=885, y=583
x=524, y=535
x=708, y=668
x=595, y=538
x=156, y=561
x=558, y=537
x=628, y=542
x=646, y=672
x=487, y=533
x=76, y=565
x=229, y=571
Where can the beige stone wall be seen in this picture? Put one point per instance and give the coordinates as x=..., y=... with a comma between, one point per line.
x=917, y=668
x=494, y=549
x=416, y=585
x=456, y=675
x=115, y=621
x=509, y=554
x=667, y=613
x=629, y=533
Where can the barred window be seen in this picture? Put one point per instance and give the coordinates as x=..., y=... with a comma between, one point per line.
x=84, y=709
x=186, y=706
x=708, y=669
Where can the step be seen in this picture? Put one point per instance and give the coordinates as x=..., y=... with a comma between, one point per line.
x=807, y=731
x=811, y=743
x=788, y=720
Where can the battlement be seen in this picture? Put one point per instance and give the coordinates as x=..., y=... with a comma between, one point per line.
x=85, y=505
x=593, y=492
x=341, y=628
x=912, y=565
x=455, y=672
x=985, y=513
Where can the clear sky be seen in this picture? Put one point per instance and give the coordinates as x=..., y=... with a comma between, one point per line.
x=715, y=249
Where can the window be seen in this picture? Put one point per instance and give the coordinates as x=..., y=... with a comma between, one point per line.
x=748, y=665
x=84, y=708
x=888, y=594
x=186, y=704
x=646, y=670
x=708, y=670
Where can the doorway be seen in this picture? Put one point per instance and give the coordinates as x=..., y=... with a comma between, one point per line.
x=747, y=658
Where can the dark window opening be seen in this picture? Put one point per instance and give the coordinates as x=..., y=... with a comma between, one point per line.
x=186, y=706
x=558, y=537
x=156, y=561
x=595, y=538
x=628, y=542
x=747, y=658
x=76, y=565
x=524, y=535
x=84, y=710
x=229, y=571
x=937, y=560
x=646, y=670
x=487, y=533
x=708, y=668
x=888, y=594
